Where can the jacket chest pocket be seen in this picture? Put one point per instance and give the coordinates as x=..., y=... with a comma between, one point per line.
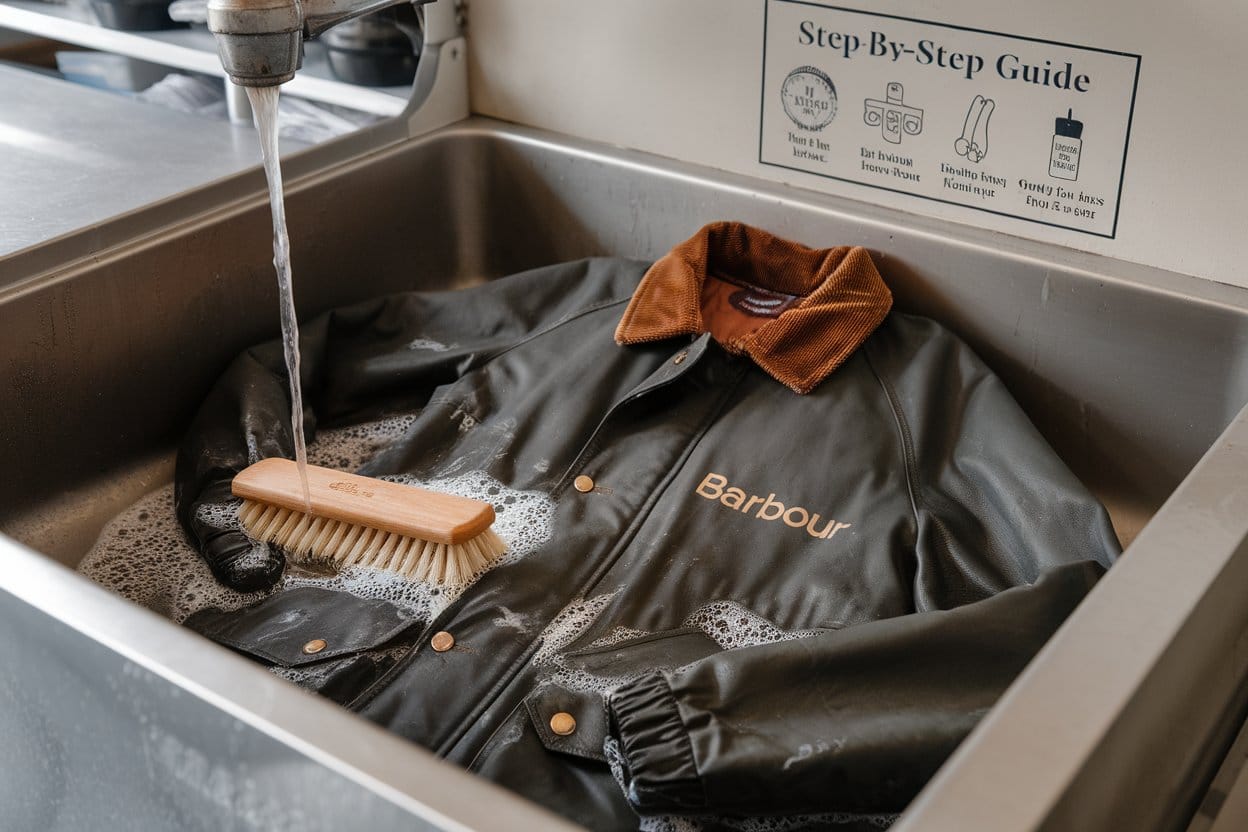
x=330, y=642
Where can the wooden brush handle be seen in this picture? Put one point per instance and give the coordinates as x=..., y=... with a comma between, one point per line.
x=404, y=509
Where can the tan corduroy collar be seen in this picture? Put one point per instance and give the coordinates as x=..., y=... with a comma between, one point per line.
x=841, y=299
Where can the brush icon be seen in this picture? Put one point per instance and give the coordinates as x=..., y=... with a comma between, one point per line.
x=973, y=143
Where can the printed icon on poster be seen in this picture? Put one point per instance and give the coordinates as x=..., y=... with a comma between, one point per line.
x=973, y=143
x=1067, y=146
x=893, y=116
x=809, y=97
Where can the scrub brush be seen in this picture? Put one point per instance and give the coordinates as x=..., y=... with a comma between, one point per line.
x=351, y=520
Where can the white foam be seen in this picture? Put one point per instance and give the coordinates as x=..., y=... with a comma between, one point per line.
x=525, y=519
x=794, y=823
x=617, y=635
x=731, y=625
x=519, y=621
x=727, y=623
x=668, y=823
x=427, y=344
x=143, y=555
x=348, y=448
x=569, y=625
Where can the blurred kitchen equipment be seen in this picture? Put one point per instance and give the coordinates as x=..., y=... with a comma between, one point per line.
x=379, y=50
x=108, y=72
x=134, y=15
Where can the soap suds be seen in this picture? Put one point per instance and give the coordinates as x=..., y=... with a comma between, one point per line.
x=569, y=625
x=727, y=623
x=509, y=618
x=730, y=625
x=796, y=823
x=669, y=823
x=617, y=635
x=143, y=555
x=807, y=750
x=427, y=344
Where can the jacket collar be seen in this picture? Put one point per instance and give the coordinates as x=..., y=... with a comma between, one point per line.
x=841, y=300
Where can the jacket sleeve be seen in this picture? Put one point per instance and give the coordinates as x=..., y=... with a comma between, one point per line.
x=383, y=355
x=848, y=721
x=994, y=506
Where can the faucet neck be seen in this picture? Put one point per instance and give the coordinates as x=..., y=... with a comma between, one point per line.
x=320, y=15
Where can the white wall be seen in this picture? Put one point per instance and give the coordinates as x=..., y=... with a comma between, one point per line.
x=681, y=78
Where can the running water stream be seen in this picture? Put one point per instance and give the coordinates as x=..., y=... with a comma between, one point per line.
x=264, y=105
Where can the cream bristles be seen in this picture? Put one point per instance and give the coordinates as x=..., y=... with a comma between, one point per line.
x=313, y=539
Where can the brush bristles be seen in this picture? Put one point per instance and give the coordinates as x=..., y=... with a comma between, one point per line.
x=311, y=539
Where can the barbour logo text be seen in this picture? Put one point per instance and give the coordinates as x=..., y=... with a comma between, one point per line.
x=716, y=487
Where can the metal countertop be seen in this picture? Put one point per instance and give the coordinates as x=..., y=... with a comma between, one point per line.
x=71, y=156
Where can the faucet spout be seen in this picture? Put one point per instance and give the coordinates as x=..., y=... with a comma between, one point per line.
x=260, y=42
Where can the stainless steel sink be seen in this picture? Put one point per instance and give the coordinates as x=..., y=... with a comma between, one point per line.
x=112, y=336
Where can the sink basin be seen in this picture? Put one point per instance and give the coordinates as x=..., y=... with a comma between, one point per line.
x=111, y=339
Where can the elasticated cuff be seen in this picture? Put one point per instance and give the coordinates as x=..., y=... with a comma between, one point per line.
x=235, y=560
x=659, y=771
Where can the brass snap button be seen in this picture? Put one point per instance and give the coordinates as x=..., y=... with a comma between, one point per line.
x=316, y=645
x=563, y=723
x=583, y=484
x=442, y=641
x=680, y=356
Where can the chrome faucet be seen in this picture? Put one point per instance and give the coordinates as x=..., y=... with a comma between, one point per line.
x=261, y=41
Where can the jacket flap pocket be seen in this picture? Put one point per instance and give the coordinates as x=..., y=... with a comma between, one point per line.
x=304, y=625
x=666, y=650
x=569, y=722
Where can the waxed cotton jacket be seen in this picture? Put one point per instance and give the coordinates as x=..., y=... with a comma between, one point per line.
x=796, y=543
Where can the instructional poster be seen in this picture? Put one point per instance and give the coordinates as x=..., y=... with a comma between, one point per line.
x=1011, y=125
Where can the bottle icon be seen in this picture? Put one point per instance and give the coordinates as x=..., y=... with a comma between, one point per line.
x=1067, y=145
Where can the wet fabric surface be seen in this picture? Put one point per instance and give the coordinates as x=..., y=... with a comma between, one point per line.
x=770, y=605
